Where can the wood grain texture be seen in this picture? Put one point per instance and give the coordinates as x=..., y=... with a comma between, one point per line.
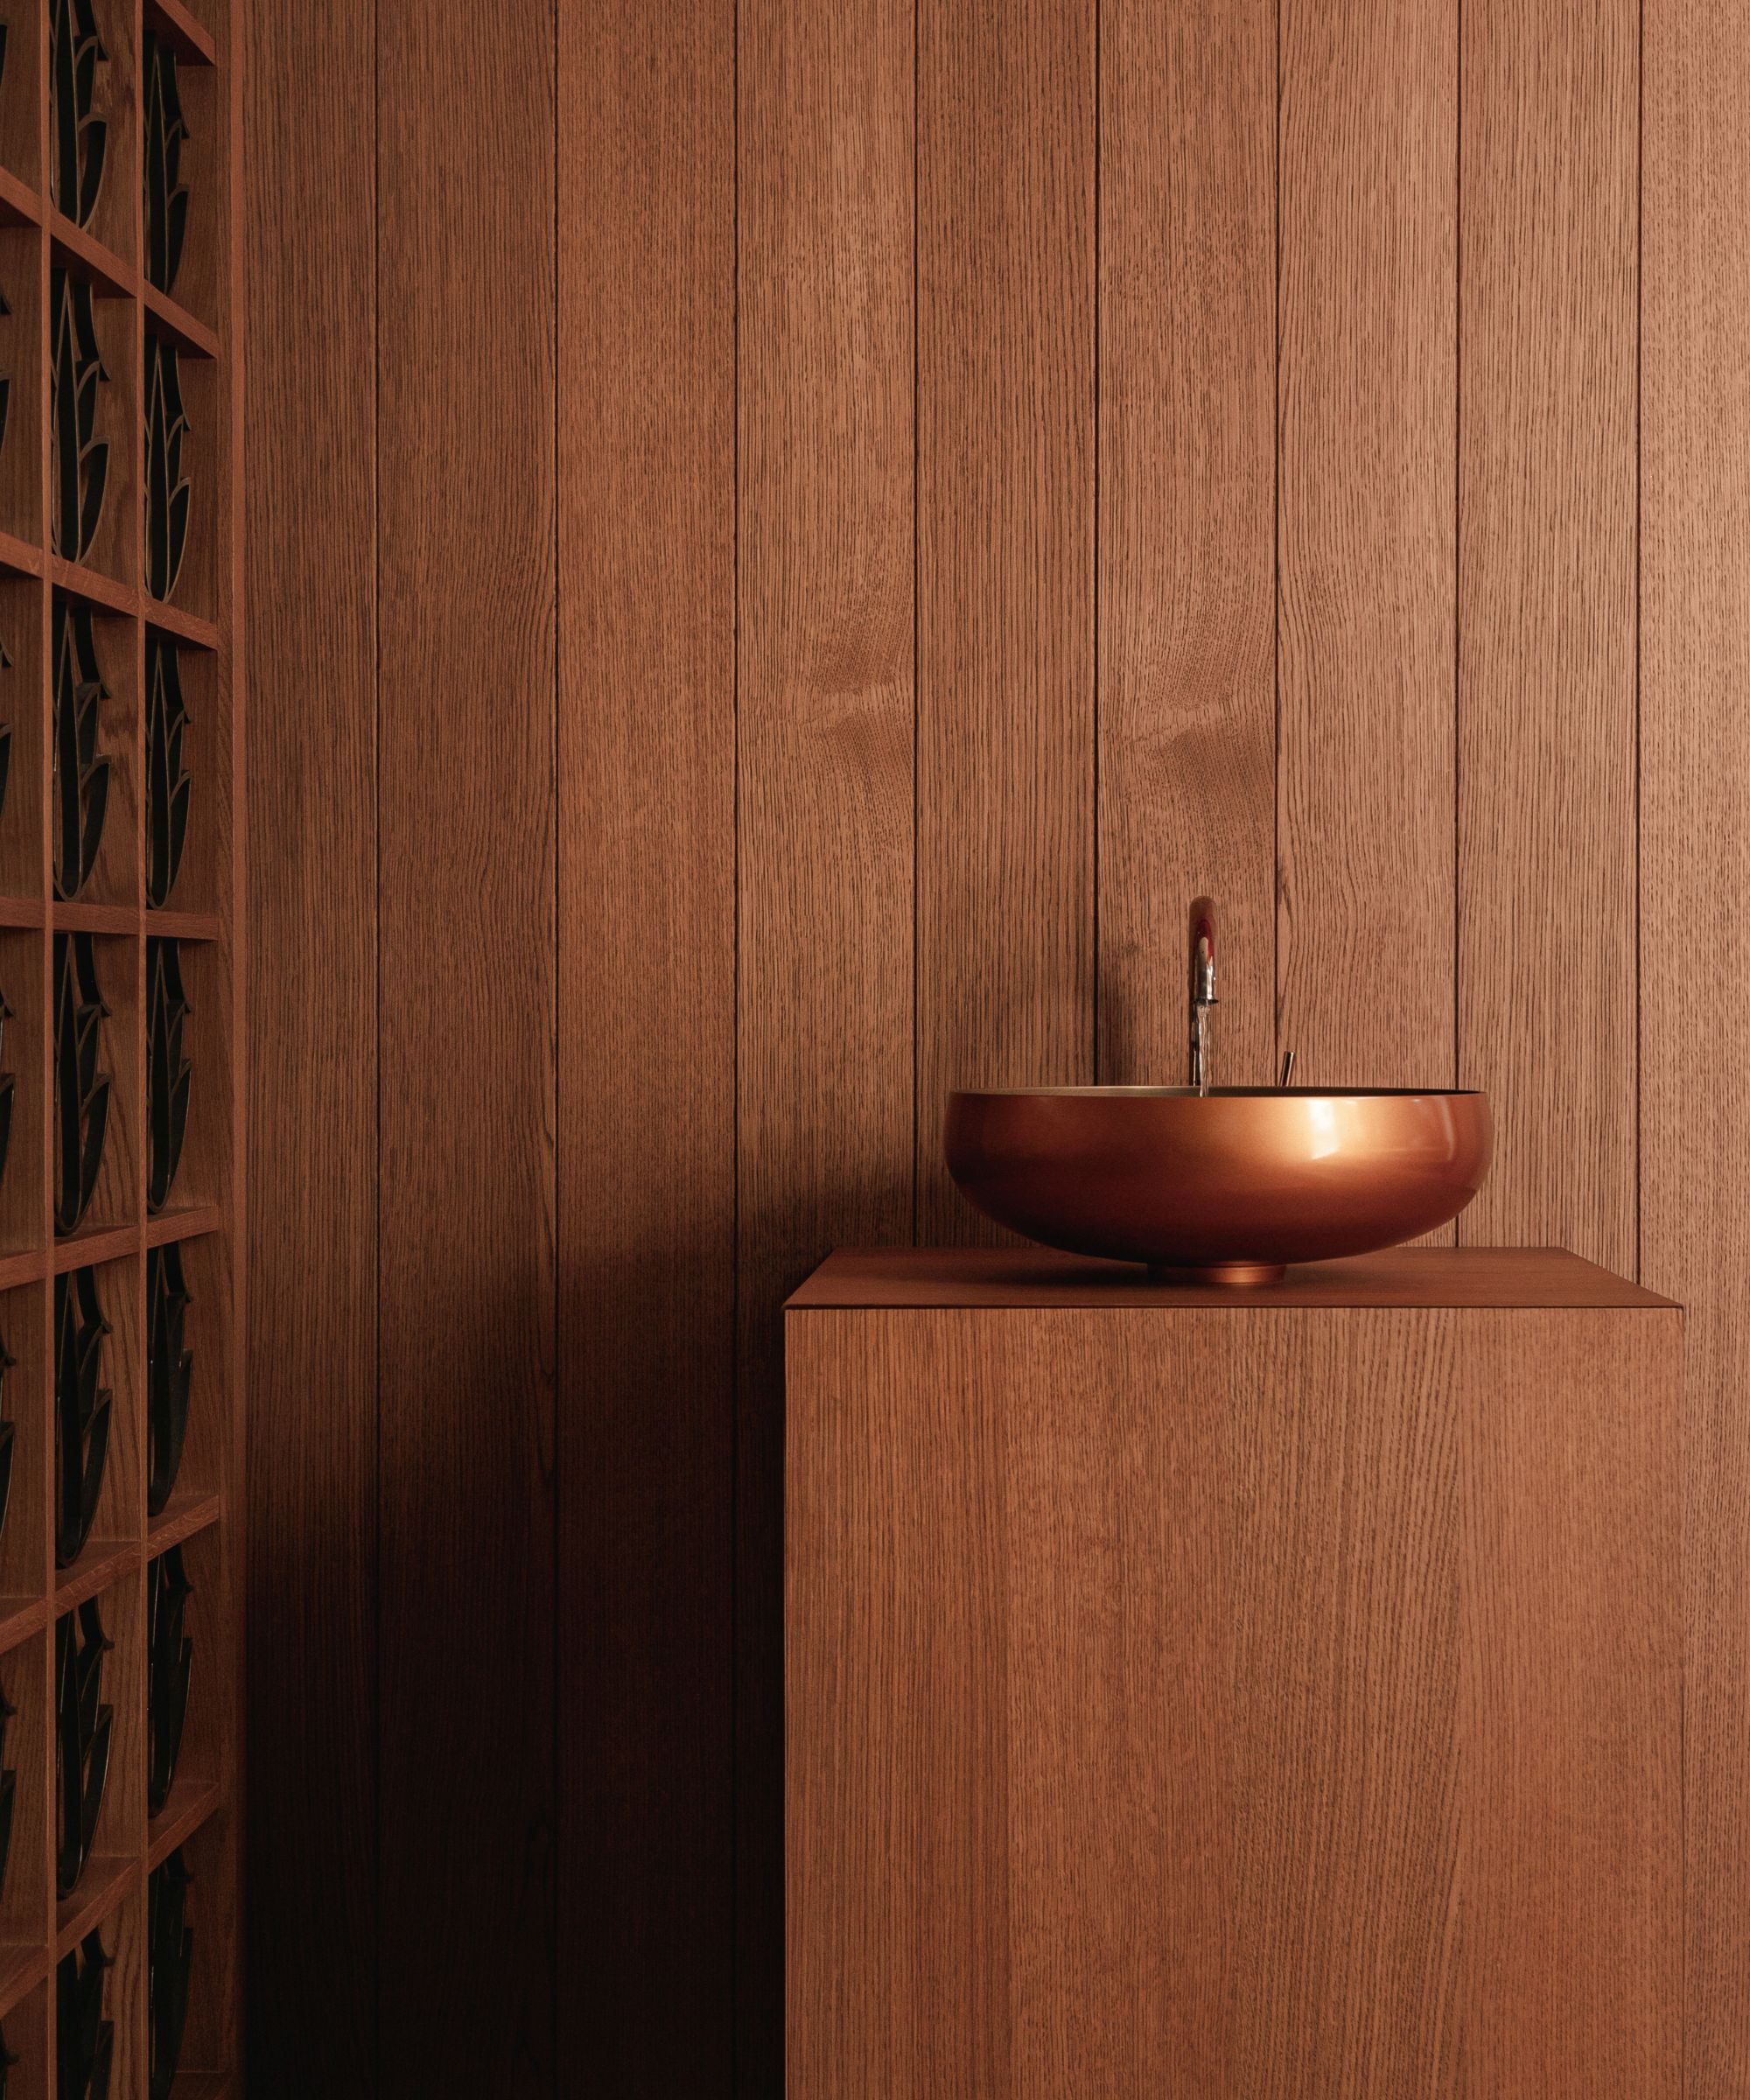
x=1345, y=1616
x=1104, y=324
x=922, y=1561
x=1365, y=785
x=1237, y=1692
x=1022, y=1277
x=225, y=1571
x=1005, y=562
x=1547, y=983
x=1573, y=1833
x=825, y=792
x=1122, y=1929
x=1187, y=535
x=647, y=1046
x=465, y=736
x=1695, y=863
x=312, y=922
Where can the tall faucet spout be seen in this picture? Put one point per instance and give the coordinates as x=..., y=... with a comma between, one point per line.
x=1202, y=987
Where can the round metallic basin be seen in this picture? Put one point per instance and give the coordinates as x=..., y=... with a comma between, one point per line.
x=1227, y=1186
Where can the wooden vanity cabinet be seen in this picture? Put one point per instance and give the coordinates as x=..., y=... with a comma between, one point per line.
x=1204, y=1693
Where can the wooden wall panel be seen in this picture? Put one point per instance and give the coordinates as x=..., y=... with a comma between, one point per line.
x=1187, y=533
x=1365, y=788
x=465, y=439
x=312, y=929
x=646, y=1044
x=1006, y=561
x=1694, y=949
x=1013, y=313
x=1546, y=628
x=826, y=562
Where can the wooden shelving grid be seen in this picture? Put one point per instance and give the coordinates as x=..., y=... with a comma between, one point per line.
x=121, y=1393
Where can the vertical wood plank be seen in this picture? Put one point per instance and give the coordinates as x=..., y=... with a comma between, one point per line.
x=1120, y=1902
x=306, y=198
x=1695, y=947
x=1571, y=1705
x=646, y=1050
x=1546, y=623
x=227, y=1853
x=895, y=1571
x=1345, y=1511
x=1365, y=793
x=826, y=361
x=466, y=730
x=1005, y=551
x=1188, y=529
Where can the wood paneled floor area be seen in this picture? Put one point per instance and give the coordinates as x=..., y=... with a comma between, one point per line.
x=785, y=543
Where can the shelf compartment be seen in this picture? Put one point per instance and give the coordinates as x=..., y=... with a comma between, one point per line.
x=93, y=398
x=23, y=1072
x=24, y=1686
x=117, y=1836
x=186, y=1666
x=23, y=370
x=204, y=1160
x=209, y=2046
x=113, y=1293
x=95, y=758
x=169, y=1966
x=202, y=1268
x=187, y=743
x=94, y=126
x=108, y=1191
x=23, y=95
x=23, y=1534
x=196, y=287
x=170, y=1665
x=120, y=1935
x=22, y=679
x=180, y=424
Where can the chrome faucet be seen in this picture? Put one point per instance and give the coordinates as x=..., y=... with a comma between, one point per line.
x=1202, y=987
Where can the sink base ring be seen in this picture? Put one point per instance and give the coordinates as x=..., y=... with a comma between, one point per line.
x=1243, y=1273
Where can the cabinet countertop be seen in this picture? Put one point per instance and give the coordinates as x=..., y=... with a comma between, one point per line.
x=1503, y=1278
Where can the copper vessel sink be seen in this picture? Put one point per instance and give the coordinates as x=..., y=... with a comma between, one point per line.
x=1224, y=1186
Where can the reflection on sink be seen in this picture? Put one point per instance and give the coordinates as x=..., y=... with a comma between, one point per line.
x=1224, y=1186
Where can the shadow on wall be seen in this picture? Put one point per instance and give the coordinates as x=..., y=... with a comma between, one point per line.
x=429, y=1788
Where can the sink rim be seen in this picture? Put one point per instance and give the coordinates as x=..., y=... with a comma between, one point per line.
x=1132, y=1093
